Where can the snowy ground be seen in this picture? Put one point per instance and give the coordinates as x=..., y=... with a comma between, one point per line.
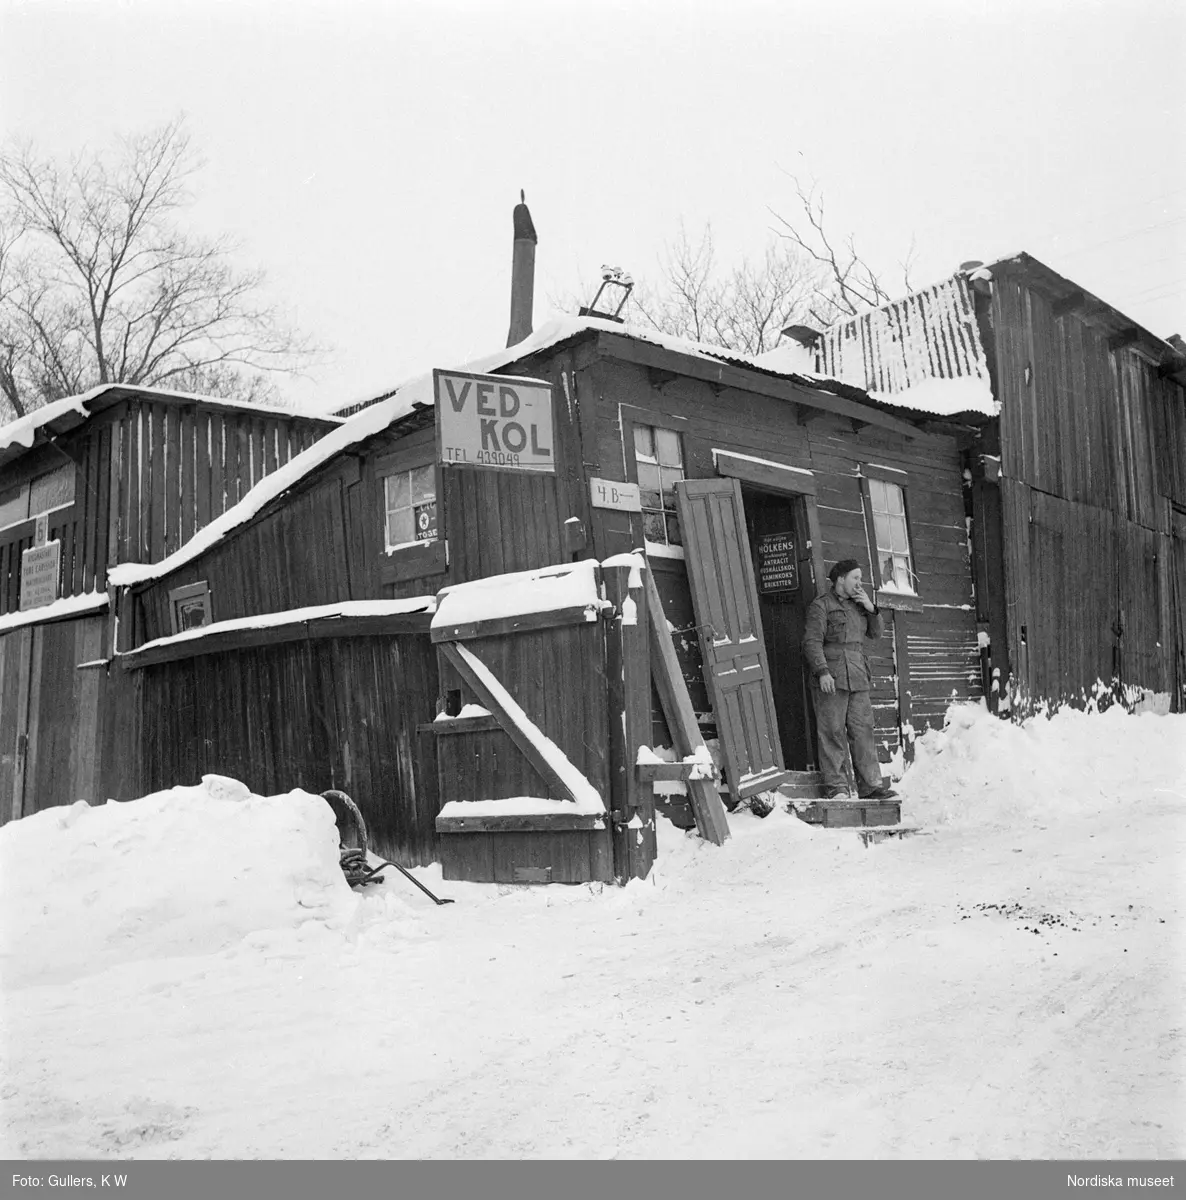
x=188, y=976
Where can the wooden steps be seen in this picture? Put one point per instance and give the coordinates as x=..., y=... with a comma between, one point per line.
x=803, y=795
x=849, y=814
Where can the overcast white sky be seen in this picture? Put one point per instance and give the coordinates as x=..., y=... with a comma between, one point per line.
x=368, y=155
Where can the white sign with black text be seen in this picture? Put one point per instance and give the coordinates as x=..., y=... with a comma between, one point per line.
x=497, y=421
x=609, y=493
x=40, y=566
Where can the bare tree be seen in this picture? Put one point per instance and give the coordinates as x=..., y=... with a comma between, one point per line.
x=742, y=309
x=99, y=283
x=845, y=283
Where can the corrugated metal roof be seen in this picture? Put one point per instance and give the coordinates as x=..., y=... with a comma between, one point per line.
x=930, y=335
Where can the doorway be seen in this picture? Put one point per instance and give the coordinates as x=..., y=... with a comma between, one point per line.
x=781, y=551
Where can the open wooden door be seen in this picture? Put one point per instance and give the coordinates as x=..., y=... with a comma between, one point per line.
x=725, y=599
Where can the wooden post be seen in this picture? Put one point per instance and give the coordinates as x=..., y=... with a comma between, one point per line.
x=628, y=675
x=711, y=821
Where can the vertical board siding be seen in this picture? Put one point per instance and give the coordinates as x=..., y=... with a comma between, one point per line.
x=1093, y=447
x=315, y=715
x=43, y=694
x=1116, y=573
x=15, y=663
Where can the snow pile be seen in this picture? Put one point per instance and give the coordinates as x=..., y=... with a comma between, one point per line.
x=982, y=771
x=183, y=872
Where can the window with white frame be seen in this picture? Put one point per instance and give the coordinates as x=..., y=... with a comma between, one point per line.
x=887, y=506
x=659, y=458
x=411, y=503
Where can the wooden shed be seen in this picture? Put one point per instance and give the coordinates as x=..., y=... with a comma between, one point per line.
x=1077, y=474
x=737, y=481
x=119, y=474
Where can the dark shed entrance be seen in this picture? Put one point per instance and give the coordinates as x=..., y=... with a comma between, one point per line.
x=781, y=551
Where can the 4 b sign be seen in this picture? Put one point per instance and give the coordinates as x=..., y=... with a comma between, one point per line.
x=494, y=421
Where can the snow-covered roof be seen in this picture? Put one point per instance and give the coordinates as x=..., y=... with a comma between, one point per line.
x=66, y=606
x=22, y=432
x=375, y=416
x=923, y=351
x=293, y=616
x=787, y=361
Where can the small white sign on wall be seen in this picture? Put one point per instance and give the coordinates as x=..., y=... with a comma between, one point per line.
x=39, y=575
x=609, y=493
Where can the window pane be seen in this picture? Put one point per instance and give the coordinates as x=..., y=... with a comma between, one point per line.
x=900, y=543
x=649, y=479
x=52, y=491
x=887, y=569
x=397, y=490
x=894, y=496
x=670, y=476
x=877, y=495
x=667, y=445
x=400, y=527
x=902, y=573
x=885, y=539
x=424, y=484
x=653, y=528
x=644, y=442
x=674, y=537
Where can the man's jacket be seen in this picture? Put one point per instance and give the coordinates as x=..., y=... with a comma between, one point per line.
x=833, y=641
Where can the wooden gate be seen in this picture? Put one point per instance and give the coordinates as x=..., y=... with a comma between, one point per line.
x=535, y=788
x=725, y=600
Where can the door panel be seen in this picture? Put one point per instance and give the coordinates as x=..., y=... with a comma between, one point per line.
x=725, y=599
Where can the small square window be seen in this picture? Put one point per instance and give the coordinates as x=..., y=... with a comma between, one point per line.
x=189, y=607
x=411, y=504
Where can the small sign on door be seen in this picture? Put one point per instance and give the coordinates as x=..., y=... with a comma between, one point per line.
x=778, y=567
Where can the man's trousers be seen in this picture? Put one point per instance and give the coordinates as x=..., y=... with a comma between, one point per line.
x=845, y=719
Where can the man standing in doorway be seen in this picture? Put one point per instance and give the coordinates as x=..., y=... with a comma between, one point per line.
x=837, y=624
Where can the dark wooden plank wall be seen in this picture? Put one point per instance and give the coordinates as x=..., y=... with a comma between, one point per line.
x=293, y=557
x=1078, y=573
x=323, y=543
x=150, y=474
x=43, y=694
x=191, y=463
x=1093, y=455
x=316, y=715
x=943, y=635
x=15, y=662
